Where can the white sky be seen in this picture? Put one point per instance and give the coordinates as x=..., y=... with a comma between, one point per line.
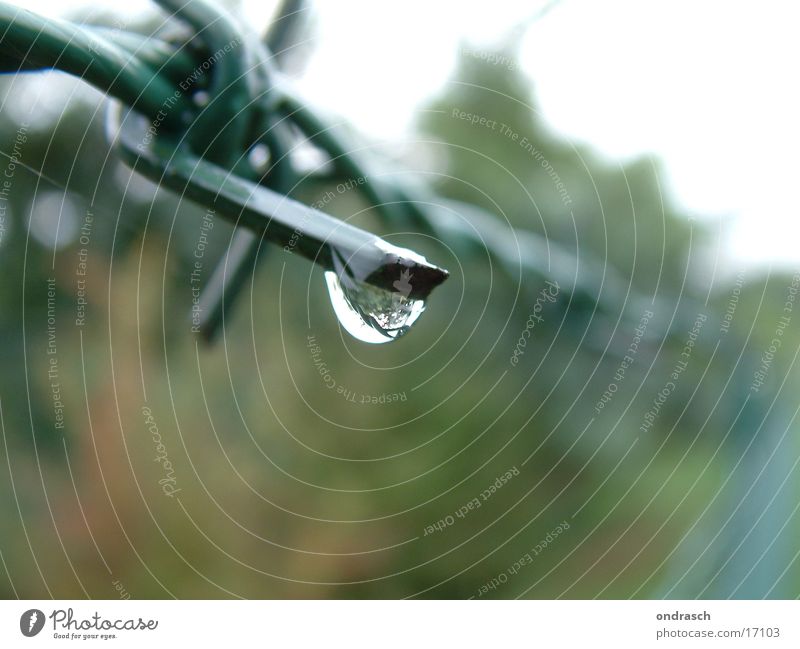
x=709, y=86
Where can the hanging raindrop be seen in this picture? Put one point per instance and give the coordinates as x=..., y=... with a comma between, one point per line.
x=374, y=314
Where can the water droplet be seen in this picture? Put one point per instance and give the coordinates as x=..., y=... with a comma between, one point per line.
x=259, y=158
x=201, y=98
x=369, y=313
x=374, y=314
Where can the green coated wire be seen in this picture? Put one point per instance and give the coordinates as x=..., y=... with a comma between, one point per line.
x=169, y=60
x=246, y=249
x=342, y=156
x=396, y=203
x=34, y=43
x=117, y=66
x=141, y=72
x=219, y=131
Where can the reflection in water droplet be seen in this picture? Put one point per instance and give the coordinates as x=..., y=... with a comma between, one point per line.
x=372, y=314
